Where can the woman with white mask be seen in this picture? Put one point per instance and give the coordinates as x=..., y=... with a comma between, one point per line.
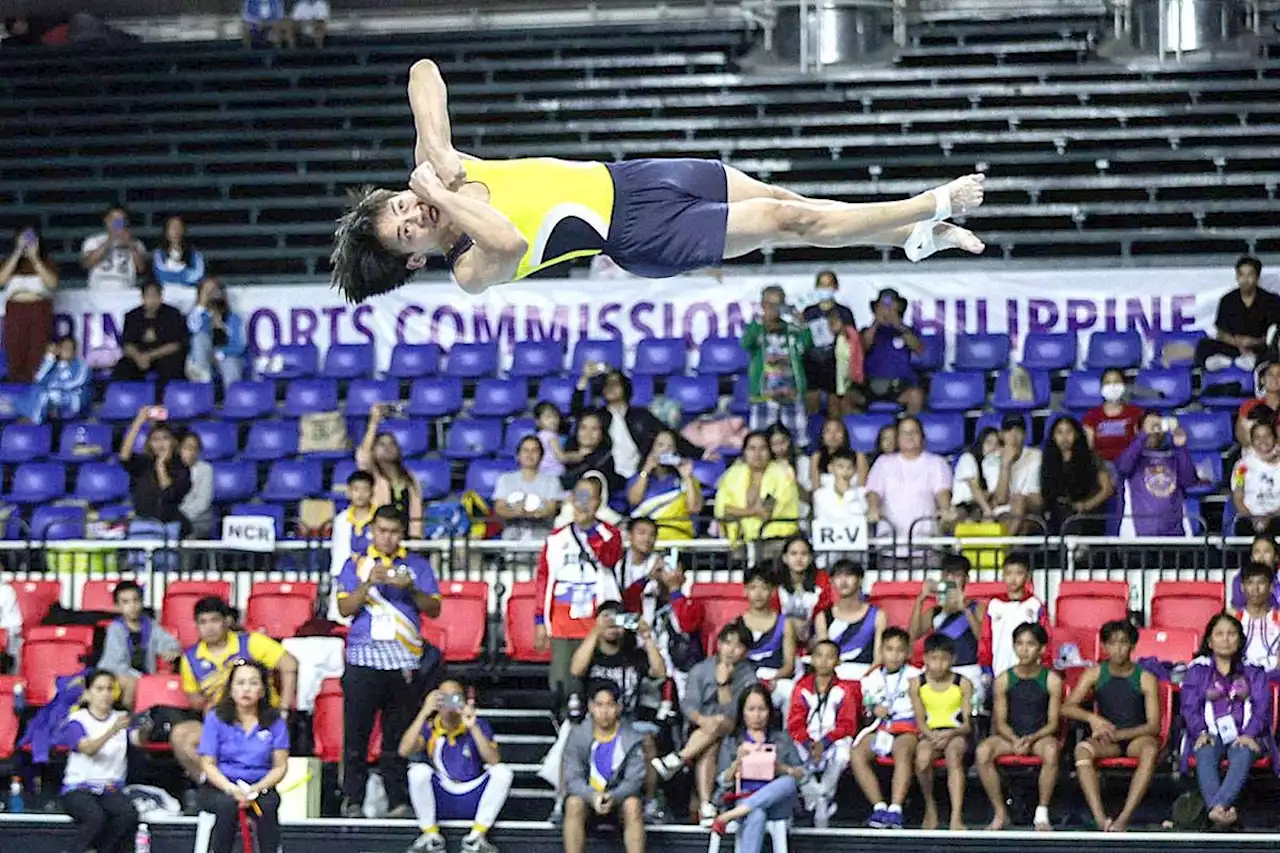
x=1112, y=426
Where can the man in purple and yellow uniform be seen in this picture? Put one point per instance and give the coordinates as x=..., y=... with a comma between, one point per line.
x=384, y=591
x=207, y=665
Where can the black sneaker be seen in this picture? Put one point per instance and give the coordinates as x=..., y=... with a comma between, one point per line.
x=352, y=810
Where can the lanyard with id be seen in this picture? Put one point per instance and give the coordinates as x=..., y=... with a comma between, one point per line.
x=883, y=743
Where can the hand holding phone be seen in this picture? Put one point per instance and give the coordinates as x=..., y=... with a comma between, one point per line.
x=157, y=413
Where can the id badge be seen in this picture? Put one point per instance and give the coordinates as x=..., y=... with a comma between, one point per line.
x=1227, y=729
x=382, y=628
x=883, y=744
x=582, y=603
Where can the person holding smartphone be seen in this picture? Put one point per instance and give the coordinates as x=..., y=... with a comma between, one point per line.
x=113, y=257
x=29, y=278
x=665, y=489
x=158, y=476
x=1156, y=470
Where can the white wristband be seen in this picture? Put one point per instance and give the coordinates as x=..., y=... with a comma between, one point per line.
x=942, y=201
x=920, y=244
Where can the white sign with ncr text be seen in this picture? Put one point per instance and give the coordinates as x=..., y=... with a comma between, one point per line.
x=249, y=533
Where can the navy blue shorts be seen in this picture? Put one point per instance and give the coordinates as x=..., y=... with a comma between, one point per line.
x=669, y=216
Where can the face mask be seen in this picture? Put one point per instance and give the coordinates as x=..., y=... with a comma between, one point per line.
x=1112, y=392
x=826, y=296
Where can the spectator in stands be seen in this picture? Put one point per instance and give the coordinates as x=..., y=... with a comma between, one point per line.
x=1262, y=550
x=218, y=342
x=1074, y=481
x=1255, y=484
x=197, y=505
x=842, y=499
x=385, y=592
x=822, y=720
x=159, y=479
x=886, y=443
x=590, y=449
x=96, y=737
x=976, y=476
x=956, y=616
x=526, y=499
x=1125, y=721
x=462, y=776
x=549, y=423
x=1244, y=323
x=782, y=447
x=604, y=774
x=908, y=489
x=820, y=359
x=665, y=489
x=267, y=16
x=1156, y=469
x=765, y=785
x=851, y=371
x=833, y=439
x=134, y=641
x=776, y=345
x=804, y=590
x=889, y=344
x=175, y=261
x=1003, y=614
x=660, y=600
x=10, y=623
x=943, y=701
x=154, y=340
x=772, y=650
x=640, y=565
x=892, y=732
x=112, y=256
x=1226, y=708
x=352, y=527
x=1018, y=485
x=575, y=575
x=393, y=484
x=29, y=278
x=1112, y=426
x=1260, y=618
x=63, y=385
x=207, y=666
x=856, y=626
x=244, y=750
x=629, y=429
x=314, y=13
x=1028, y=704
x=1262, y=407
x=753, y=492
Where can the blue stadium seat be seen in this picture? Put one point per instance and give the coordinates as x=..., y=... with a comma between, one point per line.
x=696, y=394
x=295, y=361
x=1230, y=376
x=865, y=429
x=338, y=482
x=235, y=480
x=1207, y=431
x=435, y=397
x=957, y=392
x=993, y=420
x=348, y=361
x=53, y=523
x=291, y=480
x=1050, y=351
x=25, y=442
x=218, y=439
x=434, y=476
x=740, y=401
x=943, y=434
x=364, y=394
x=1114, y=349
x=12, y=396
x=641, y=390
x=934, y=354
x=604, y=350
x=102, y=482
x=306, y=396
x=721, y=357
x=470, y=438
x=123, y=399
x=38, y=482
x=1166, y=339
x=483, y=474
x=661, y=357
x=558, y=391
x=500, y=398
x=1083, y=391
x=1209, y=470
x=471, y=361
x=82, y=442
x=247, y=401
x=188, y=400
x=515, y=431
x=271, y=440
x=982, y=352
x=536, y=359
x=708, y=472
x=274, y=511
x=414, y=361
x=1170, y=388
x=409, y=433
x=1003, y=401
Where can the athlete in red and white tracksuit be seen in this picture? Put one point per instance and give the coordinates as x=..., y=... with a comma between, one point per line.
x=824, y=711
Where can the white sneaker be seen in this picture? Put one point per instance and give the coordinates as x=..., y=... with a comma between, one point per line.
x=668, y=766
x=1246, y=362
x=811, y=792
x=707, y=814
x=823, y=813
x=1214, y=363
x=428, y=842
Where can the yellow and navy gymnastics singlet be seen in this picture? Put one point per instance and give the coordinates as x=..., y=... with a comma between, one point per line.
x=654, y=218
x=943, y=709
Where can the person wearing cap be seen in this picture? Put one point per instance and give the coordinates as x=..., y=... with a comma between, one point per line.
x=776, y=345
x=385, y=592
x=889, y=345
x=1018, y=485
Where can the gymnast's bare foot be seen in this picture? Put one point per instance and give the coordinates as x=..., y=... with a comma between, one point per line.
x=948, y=236
x=966, y=193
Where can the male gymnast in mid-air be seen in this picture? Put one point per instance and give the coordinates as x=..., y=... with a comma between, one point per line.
x=497, y=221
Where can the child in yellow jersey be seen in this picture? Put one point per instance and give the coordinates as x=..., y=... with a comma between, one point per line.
x=943, y=700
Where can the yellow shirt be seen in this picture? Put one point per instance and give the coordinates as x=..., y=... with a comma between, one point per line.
x=778, y=482
x=205, y=672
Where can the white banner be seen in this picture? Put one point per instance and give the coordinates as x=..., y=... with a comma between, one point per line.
x=694, y=307
x=249, y=533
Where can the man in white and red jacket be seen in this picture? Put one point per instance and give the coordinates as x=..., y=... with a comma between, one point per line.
x=575, y=576
x=822, y=720
x=1004, y=613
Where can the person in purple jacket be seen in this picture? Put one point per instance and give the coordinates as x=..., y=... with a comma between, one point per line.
x=1261, y=550
x=1226, y=706
x=1157, y=469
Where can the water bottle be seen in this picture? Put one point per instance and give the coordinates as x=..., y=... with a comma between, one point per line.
x=575, y=707
x=19, y=699
x=16, y=806
x=142, y=839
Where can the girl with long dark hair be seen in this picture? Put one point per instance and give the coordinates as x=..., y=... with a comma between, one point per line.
x=393, y=484
x=1073, y=480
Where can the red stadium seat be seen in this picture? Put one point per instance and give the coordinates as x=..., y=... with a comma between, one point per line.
x=8, y=719
x=1186, y=604
x=1173, y=645
x=464, y=617
x=45, y=659
x=280, y=609
x=1124, y=762
x=35, y=600
x=985, y=590
x=896, y=599
x=519, y=625
x=159, y=691
x=178, y=612
x=1084, y=639
x=1090, y=604
x=326, y=722
x=99, y=595
x=721, y=604
x=78, y=634
x=436, y=636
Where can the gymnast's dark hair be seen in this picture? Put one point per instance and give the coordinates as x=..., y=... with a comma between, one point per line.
x=362, y=266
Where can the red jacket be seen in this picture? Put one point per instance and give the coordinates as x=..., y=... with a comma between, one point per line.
x=810, y=718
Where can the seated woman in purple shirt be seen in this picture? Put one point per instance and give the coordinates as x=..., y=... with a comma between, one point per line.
x=244, y=748
x=1156, y=469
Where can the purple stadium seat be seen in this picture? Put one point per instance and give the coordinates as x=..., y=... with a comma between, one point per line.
x=188, y=400
x=740, y=401
x=604, y=350
x=247, y=401
x=81, y=442
x=1166, y=339
x=123, y=399
x=348, y=361
x=1207, y=431
x=435, y=397
x=661, y=357
x=52, y=523
x=409, y=433
x=558, y=391
x=37, y=483
x=471, y=361
x=721, y=357
x=218, y=439
x=695, y=394
x=1114, y=349
x=935, y=353
x=483, y=474
x=865, y=429
x=235, y=480
x=500, y=398
x=338, y=483
x=1230, y=376
x=515, y=431
x=25, y=442
x=943, y=434
x=291, y=480
x=271, y=440
x=414, y=361
x=1209, y=471
x=1003, y=400
x=102, y=482
x=294, y=361
x=957, y=392
x=982, y=352
x=641, y=390
x=1084, y=390
x=708, y=472
x=993, y=420
x=364, y=394
x=470, y=438
x=434, y=476
x=12, y=396
x=274, y=511
x=1170, y=388
x=1050, y=351
x=306, y=396
x=536, y=359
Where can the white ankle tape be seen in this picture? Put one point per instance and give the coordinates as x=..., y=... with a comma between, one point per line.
x=920, y=243
x=942, y=200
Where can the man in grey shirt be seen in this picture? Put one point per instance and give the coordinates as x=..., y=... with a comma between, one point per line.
x=134, y=641
x=604, y=773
